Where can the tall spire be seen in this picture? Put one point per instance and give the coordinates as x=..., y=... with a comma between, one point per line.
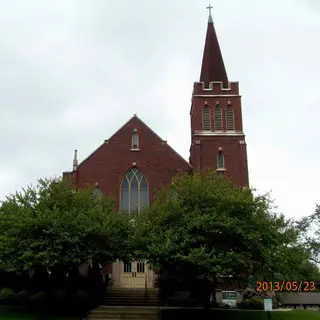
x=213, y=68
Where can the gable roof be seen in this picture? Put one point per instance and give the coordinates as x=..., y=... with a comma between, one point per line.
x=301, y=298
x=122, y=127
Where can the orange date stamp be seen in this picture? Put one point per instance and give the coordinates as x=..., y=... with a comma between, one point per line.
x=286, y=286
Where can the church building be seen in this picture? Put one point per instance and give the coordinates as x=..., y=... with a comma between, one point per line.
x=135, y=161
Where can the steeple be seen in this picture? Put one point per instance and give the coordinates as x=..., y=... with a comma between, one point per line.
x=213, y=68
x=217, y=138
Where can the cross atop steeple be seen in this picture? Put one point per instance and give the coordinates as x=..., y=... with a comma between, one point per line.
x=210, y=16
x=212, y=62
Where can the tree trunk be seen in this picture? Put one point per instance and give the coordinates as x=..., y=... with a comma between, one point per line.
x=213, y=291
x=206, y=292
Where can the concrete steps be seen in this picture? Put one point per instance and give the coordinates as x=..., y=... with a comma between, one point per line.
x=131, y=297
x=124, y=313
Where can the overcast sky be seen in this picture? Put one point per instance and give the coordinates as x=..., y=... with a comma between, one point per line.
x=72, y=72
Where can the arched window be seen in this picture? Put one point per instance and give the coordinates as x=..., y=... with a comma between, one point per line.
x=140, y=266
x=206, y=119
x=127, y=267
x=220, y=160
x=97, y=192
x=218, y=118
x=230, y=118
x=135, y=141
x=134, y=192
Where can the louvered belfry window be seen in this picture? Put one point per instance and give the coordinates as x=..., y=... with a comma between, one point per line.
x=230, y=118
x=206, y=119
x=218, y=118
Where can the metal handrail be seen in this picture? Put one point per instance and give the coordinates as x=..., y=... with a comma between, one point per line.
x=158, y=297
x=145, y=289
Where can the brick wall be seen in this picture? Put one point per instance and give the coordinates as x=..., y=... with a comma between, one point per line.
x=108, y=164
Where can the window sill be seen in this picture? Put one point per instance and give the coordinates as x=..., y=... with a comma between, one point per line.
x=221, y=170
x=134, y=149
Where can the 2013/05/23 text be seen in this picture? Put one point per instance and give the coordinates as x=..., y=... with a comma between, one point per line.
x=287, y=286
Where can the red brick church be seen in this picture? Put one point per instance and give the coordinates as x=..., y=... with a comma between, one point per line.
x=135, y=161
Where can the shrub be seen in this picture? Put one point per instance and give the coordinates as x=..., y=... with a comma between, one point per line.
x=38, y=297
x=227, y=306
x=181, y=302
x=9, y=297
x=6, y=294
x=22, y=297
x=81, y=296
x=60, y=296
x=71, y=303
x=215, y=304
x=254, y=303
x=82, y=301
x=252, y=293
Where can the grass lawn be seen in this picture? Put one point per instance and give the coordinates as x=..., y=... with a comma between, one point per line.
x=240, y=315
x=18, y=313
x=282, y=315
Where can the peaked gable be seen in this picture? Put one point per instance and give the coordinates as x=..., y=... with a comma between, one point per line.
x=108, y=164
x=131, y=124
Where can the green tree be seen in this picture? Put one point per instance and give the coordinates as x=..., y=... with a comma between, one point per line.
x=204, y=228
x=52, y=226
x=310, y=233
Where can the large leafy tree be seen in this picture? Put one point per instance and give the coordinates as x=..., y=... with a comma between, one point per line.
x=202, y=227
x=54, y=227
x=310, y=233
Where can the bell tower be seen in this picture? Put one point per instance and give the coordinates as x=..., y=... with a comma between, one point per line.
x=217, y=137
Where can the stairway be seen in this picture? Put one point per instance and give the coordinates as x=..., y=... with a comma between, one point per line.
x=124, y=313
x=128, y=304
x=131, y=297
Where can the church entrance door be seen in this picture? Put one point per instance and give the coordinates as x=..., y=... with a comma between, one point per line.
x=134, y=274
